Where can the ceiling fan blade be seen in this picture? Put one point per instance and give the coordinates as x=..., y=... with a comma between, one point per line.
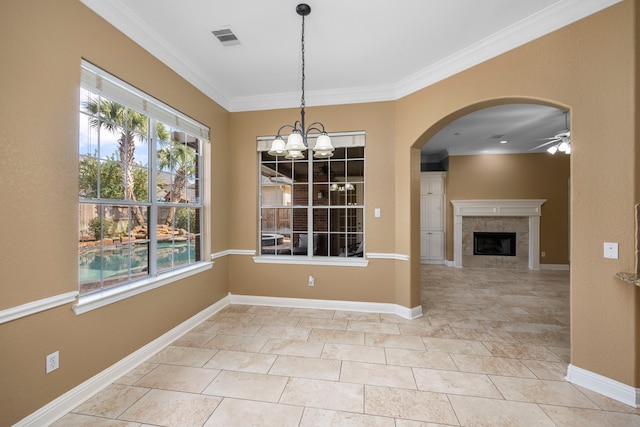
x=557, y=137
x=546, y=143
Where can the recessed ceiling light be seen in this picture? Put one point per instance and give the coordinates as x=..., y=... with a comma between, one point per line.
x=504, y=141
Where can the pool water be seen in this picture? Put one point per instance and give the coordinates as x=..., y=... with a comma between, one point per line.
x=112, y=262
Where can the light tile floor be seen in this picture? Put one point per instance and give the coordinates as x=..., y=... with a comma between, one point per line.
x=491, y=350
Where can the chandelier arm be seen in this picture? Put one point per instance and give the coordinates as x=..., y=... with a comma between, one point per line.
x=285, y=126
x=312, y=126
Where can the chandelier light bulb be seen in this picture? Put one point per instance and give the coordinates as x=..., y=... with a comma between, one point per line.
x=294, y=142
x=322, y=154
x=323, y=143
x=294, y=155
x=277, y=147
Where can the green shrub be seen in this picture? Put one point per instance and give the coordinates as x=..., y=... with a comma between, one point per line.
x=186, y=218
x=102, y=229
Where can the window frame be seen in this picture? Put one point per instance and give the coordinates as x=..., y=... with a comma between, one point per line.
x=352, y=139
x=99, y=82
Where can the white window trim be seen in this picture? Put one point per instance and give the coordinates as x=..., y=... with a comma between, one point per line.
x=317, y=260
x=92, y=79
x=354, y=139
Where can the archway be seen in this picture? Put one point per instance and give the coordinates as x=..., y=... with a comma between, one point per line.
x=523, y=131
x=481, y=178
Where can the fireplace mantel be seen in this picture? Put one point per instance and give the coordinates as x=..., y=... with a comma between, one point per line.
x=531, y=208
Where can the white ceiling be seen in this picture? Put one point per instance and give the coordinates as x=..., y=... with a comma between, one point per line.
x=524, y=127
x=356, y=50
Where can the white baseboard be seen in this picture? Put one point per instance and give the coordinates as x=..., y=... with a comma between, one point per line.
x=563, y=267
x=603, y=385
x=370, y=307
x=59, y=407
x=430, y=261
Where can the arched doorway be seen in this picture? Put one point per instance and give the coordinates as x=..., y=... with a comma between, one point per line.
x=500, y=152
x=508, y=162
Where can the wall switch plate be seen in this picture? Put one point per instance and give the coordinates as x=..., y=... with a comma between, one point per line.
x=312, y=281
x=610, y=250
x=52, y=362
x=376, y=212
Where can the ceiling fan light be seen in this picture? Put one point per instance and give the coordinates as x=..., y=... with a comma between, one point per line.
x=294, y=142
x=563, y=147
x=568, y=150
x=552, y=149
x=277, y=147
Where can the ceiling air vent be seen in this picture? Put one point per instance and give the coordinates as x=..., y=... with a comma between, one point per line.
x=226, y=37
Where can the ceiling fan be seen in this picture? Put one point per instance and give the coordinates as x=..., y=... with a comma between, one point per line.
x=561, y=141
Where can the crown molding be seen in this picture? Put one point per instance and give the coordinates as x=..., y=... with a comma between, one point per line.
x=552, y=18
x=357, y=95
x=116, y=13
x=532, y=27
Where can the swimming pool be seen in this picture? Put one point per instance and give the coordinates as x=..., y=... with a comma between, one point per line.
x=108, y=265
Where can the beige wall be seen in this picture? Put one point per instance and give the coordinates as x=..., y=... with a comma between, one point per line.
x=587, y=67
x=371, y=284
x=517, y=176
x=41, y=43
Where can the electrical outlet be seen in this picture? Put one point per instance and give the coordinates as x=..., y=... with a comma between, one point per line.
x=543, y=254
x=53, y=361
x=312, y=281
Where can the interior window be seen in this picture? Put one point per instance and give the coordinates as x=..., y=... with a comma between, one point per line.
x=313, y=207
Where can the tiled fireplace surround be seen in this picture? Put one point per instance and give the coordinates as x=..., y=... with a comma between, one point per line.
x=521, y=216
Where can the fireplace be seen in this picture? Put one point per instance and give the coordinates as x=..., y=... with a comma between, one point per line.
x=496, y=244
x=521, y=216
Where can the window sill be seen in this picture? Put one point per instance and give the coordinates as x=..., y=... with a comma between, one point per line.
x=303, y=260
x=109, y=296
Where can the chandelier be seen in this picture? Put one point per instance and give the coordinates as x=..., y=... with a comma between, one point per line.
x=297, y=142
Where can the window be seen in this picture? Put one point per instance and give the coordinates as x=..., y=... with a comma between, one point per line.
x=140, y=185
x=313, y=207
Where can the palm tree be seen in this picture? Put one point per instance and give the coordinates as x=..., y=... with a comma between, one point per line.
x=129, y=125
x=180, y=158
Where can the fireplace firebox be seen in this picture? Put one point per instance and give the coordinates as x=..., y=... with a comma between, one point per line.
x=489, y=243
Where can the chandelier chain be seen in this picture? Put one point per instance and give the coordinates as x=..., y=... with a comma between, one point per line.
x=297, y=141
x=302, y=103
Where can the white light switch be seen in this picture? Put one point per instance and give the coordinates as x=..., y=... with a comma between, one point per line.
x=376, y=212
x=610, y=250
